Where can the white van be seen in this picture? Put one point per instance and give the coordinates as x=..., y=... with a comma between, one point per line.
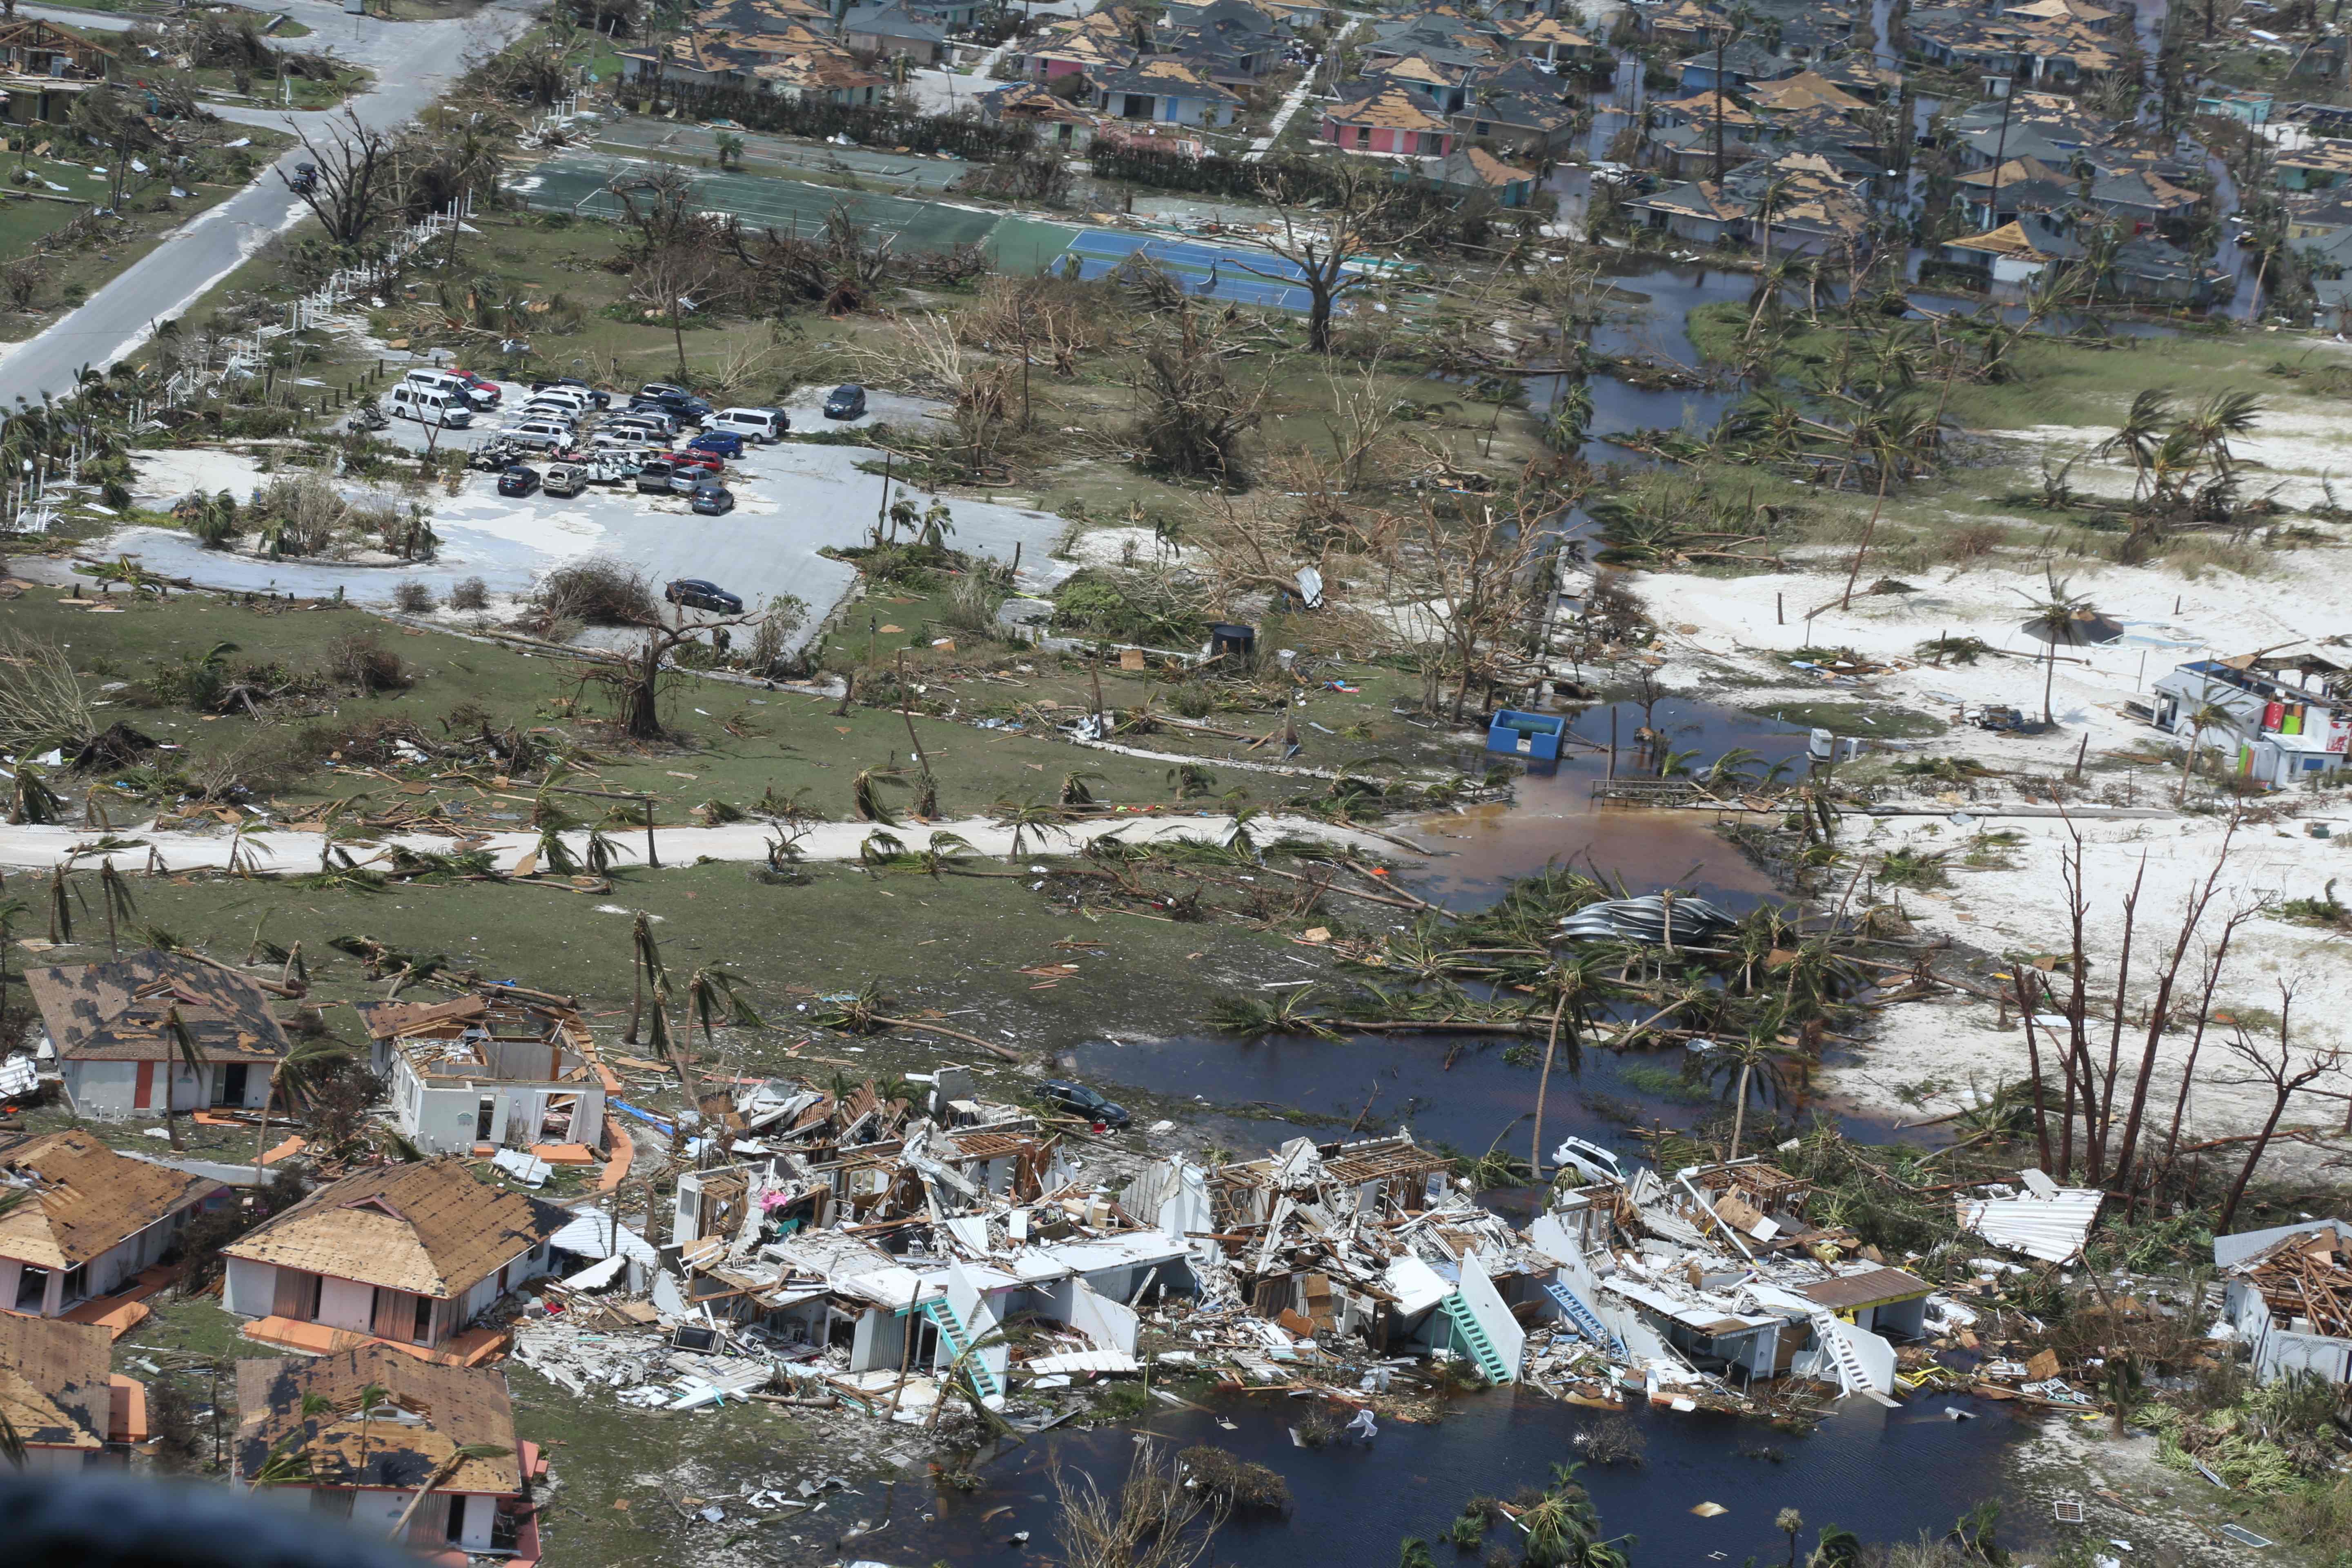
x=755, y=424
x=430, y=406
x=441, y=380
x=545, y=433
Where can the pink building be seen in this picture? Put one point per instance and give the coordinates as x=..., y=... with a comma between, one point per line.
x=1393, y=118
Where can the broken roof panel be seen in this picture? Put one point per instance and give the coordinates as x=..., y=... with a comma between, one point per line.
x=53, y=1387
x=2051, y=1228
x=426, y=1412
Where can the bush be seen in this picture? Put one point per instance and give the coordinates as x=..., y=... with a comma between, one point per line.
x=411, y=597
x=361, y=662
x=598, y=591
x=1233, y=1481
x=469, y=594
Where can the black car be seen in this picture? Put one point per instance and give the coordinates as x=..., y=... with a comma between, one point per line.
x=1078, y=1099
x=694, y=593
x=846, y=403
x=601, y=398
x=518, y=480
x=679, y=405
x=712, y=500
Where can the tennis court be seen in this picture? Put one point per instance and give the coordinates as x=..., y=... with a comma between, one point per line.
x=586, y=186
x=1241, y=277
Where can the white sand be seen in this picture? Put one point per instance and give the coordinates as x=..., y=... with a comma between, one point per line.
x=2167, y=620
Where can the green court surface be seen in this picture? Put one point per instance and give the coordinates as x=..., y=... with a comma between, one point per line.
x=583, y=185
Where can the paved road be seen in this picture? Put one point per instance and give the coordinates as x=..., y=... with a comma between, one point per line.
x=413, y=62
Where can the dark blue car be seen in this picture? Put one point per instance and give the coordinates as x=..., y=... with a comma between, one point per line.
x=846, y=402
x=719, y=444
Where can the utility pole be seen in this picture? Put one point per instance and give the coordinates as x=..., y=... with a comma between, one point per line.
x=1722, y=34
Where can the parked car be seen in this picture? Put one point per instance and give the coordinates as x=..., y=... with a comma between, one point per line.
x=753, y=423
x=694, y=593
x=517, y=481
x=661, y=389
x=694, y=457
x=713, y=499
x=846, y=403
x=653, y=478
x=719, y=444
x=564, y=479
x=545, y=433
x=685, y=410
x=480, y=388
x=1077, y=1099
x=651, y=413
x=600, y=398
x=305, y=180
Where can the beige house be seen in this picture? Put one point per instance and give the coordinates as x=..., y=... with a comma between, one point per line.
x=59, y=1398
x=94, y=1221
x=366, y=1463
x=407, y=1254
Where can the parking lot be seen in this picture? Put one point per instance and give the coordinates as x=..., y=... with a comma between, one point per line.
x=791, y=501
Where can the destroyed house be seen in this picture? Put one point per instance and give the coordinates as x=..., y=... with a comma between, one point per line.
x=45, y=68
x=2287, y=1293
x=501, y=1068
x=409, y=1255
x=91, y=1220
x=2274, y=731
x=389, y=1427
x=937, y=1260
x=122, y=1030
x=61, y=1400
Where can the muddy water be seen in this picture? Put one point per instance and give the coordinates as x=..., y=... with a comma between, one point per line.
x=1888, y=1475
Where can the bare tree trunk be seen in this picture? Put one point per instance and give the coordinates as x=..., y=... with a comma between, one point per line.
x=1543, y=1083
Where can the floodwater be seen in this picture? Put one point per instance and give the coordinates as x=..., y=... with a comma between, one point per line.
x=1887, y=1475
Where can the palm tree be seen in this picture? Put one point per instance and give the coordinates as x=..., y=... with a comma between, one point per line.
x=1571, y=416
x=297, y=1073
x=114, y=896
x=2054, y=616
x=2206, y=715
x=944, y=849
x=1572, y=982
x=1789, y=1522
x=645, y=966
x=1758, y=1056
x=1030, y=816
x=191, y=1057
x=1239, y=838
x=458, y=1458
x=2219, y=417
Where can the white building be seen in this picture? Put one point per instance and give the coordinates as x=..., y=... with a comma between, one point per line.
x=113, y=1028
x=2273, y=731
x=94, y=1219
x=502, y=1068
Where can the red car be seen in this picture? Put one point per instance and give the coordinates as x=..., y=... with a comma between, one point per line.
x=481, y=389
x=695, y=460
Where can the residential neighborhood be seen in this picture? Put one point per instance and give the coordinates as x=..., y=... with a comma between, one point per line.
x=1137, y=784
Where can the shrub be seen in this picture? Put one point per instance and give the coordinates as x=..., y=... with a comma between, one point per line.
x=361, y=662
x=411, y=597
x=1233, y=1481
x=469, y=594
x=598, y=591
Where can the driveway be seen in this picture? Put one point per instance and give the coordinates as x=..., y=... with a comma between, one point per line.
x=792, y=501
x=414, y=63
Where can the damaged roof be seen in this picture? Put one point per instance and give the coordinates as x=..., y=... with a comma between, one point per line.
x=424, y=1414
x=88, y=1198
x=1868, y=1288
x=53, y=1387
x=118, y=1010
x=429, y=1228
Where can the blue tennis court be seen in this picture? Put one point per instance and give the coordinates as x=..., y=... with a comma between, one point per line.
x=1241, y=277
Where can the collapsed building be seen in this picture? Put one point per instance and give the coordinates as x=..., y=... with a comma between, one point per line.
x=502, y=1067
